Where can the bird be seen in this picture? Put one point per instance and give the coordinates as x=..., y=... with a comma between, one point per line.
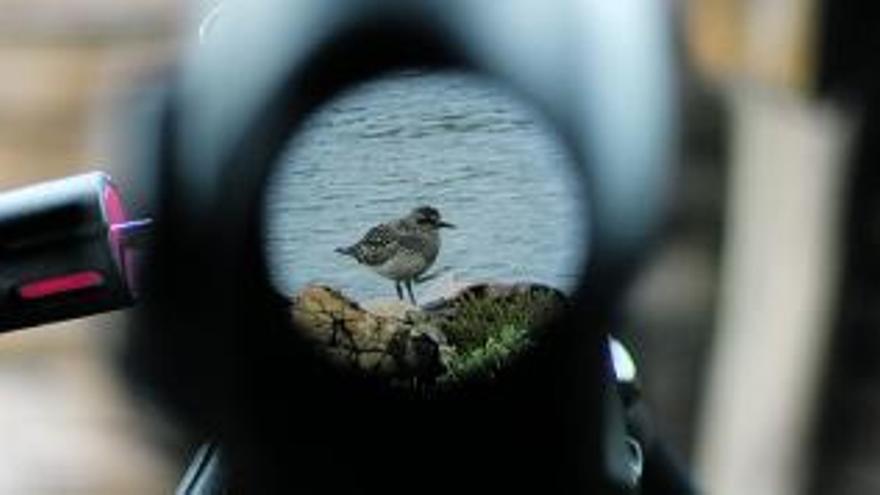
x=401, y=249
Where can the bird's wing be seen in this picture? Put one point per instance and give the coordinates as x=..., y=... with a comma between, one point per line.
x=377, y=246
x=414, y=242
x=421, y=245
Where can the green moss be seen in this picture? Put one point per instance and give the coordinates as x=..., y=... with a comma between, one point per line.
x=484, y=361
x=478, y=318
x=486, y=334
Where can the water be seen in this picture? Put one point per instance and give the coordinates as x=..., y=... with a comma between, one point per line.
x=450, y=140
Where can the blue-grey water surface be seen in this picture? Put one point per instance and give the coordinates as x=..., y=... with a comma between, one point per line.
x=450, y=140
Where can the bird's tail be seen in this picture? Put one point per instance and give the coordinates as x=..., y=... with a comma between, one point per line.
x=347, y=251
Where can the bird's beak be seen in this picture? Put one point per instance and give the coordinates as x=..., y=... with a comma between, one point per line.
x=441, y=224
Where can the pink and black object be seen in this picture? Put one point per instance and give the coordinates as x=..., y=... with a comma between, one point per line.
x=67, y=249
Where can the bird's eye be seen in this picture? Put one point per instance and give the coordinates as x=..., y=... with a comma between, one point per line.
x=450, y=304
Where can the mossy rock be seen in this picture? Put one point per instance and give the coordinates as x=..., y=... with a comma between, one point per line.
x=489, y=325
x=470, y=334
x=473, y=314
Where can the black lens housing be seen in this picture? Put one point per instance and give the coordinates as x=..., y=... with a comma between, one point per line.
x=214, y=339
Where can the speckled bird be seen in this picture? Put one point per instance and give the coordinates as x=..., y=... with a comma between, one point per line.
x=402, y=249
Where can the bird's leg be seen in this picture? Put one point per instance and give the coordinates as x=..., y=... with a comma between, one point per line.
x=399, y=290
x=412, y=298
x=431, y=276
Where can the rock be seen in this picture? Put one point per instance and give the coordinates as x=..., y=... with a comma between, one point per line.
x=490, y=289
x=395, y=339
x=520, y=293
x=473, y=314
x=386, y=342
x=390, y=308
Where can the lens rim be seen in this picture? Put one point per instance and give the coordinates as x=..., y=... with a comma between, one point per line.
x=219, y=326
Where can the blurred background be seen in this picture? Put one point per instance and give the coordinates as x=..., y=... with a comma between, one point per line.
x=753, y=322
x=68, y=424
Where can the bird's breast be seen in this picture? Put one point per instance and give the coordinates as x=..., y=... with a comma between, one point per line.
x=404, y=265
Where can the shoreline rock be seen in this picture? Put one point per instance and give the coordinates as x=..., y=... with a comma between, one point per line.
x=395, y=339
x=352, y=336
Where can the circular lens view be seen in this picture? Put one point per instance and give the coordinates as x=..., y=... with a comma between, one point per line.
x=424, y=224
